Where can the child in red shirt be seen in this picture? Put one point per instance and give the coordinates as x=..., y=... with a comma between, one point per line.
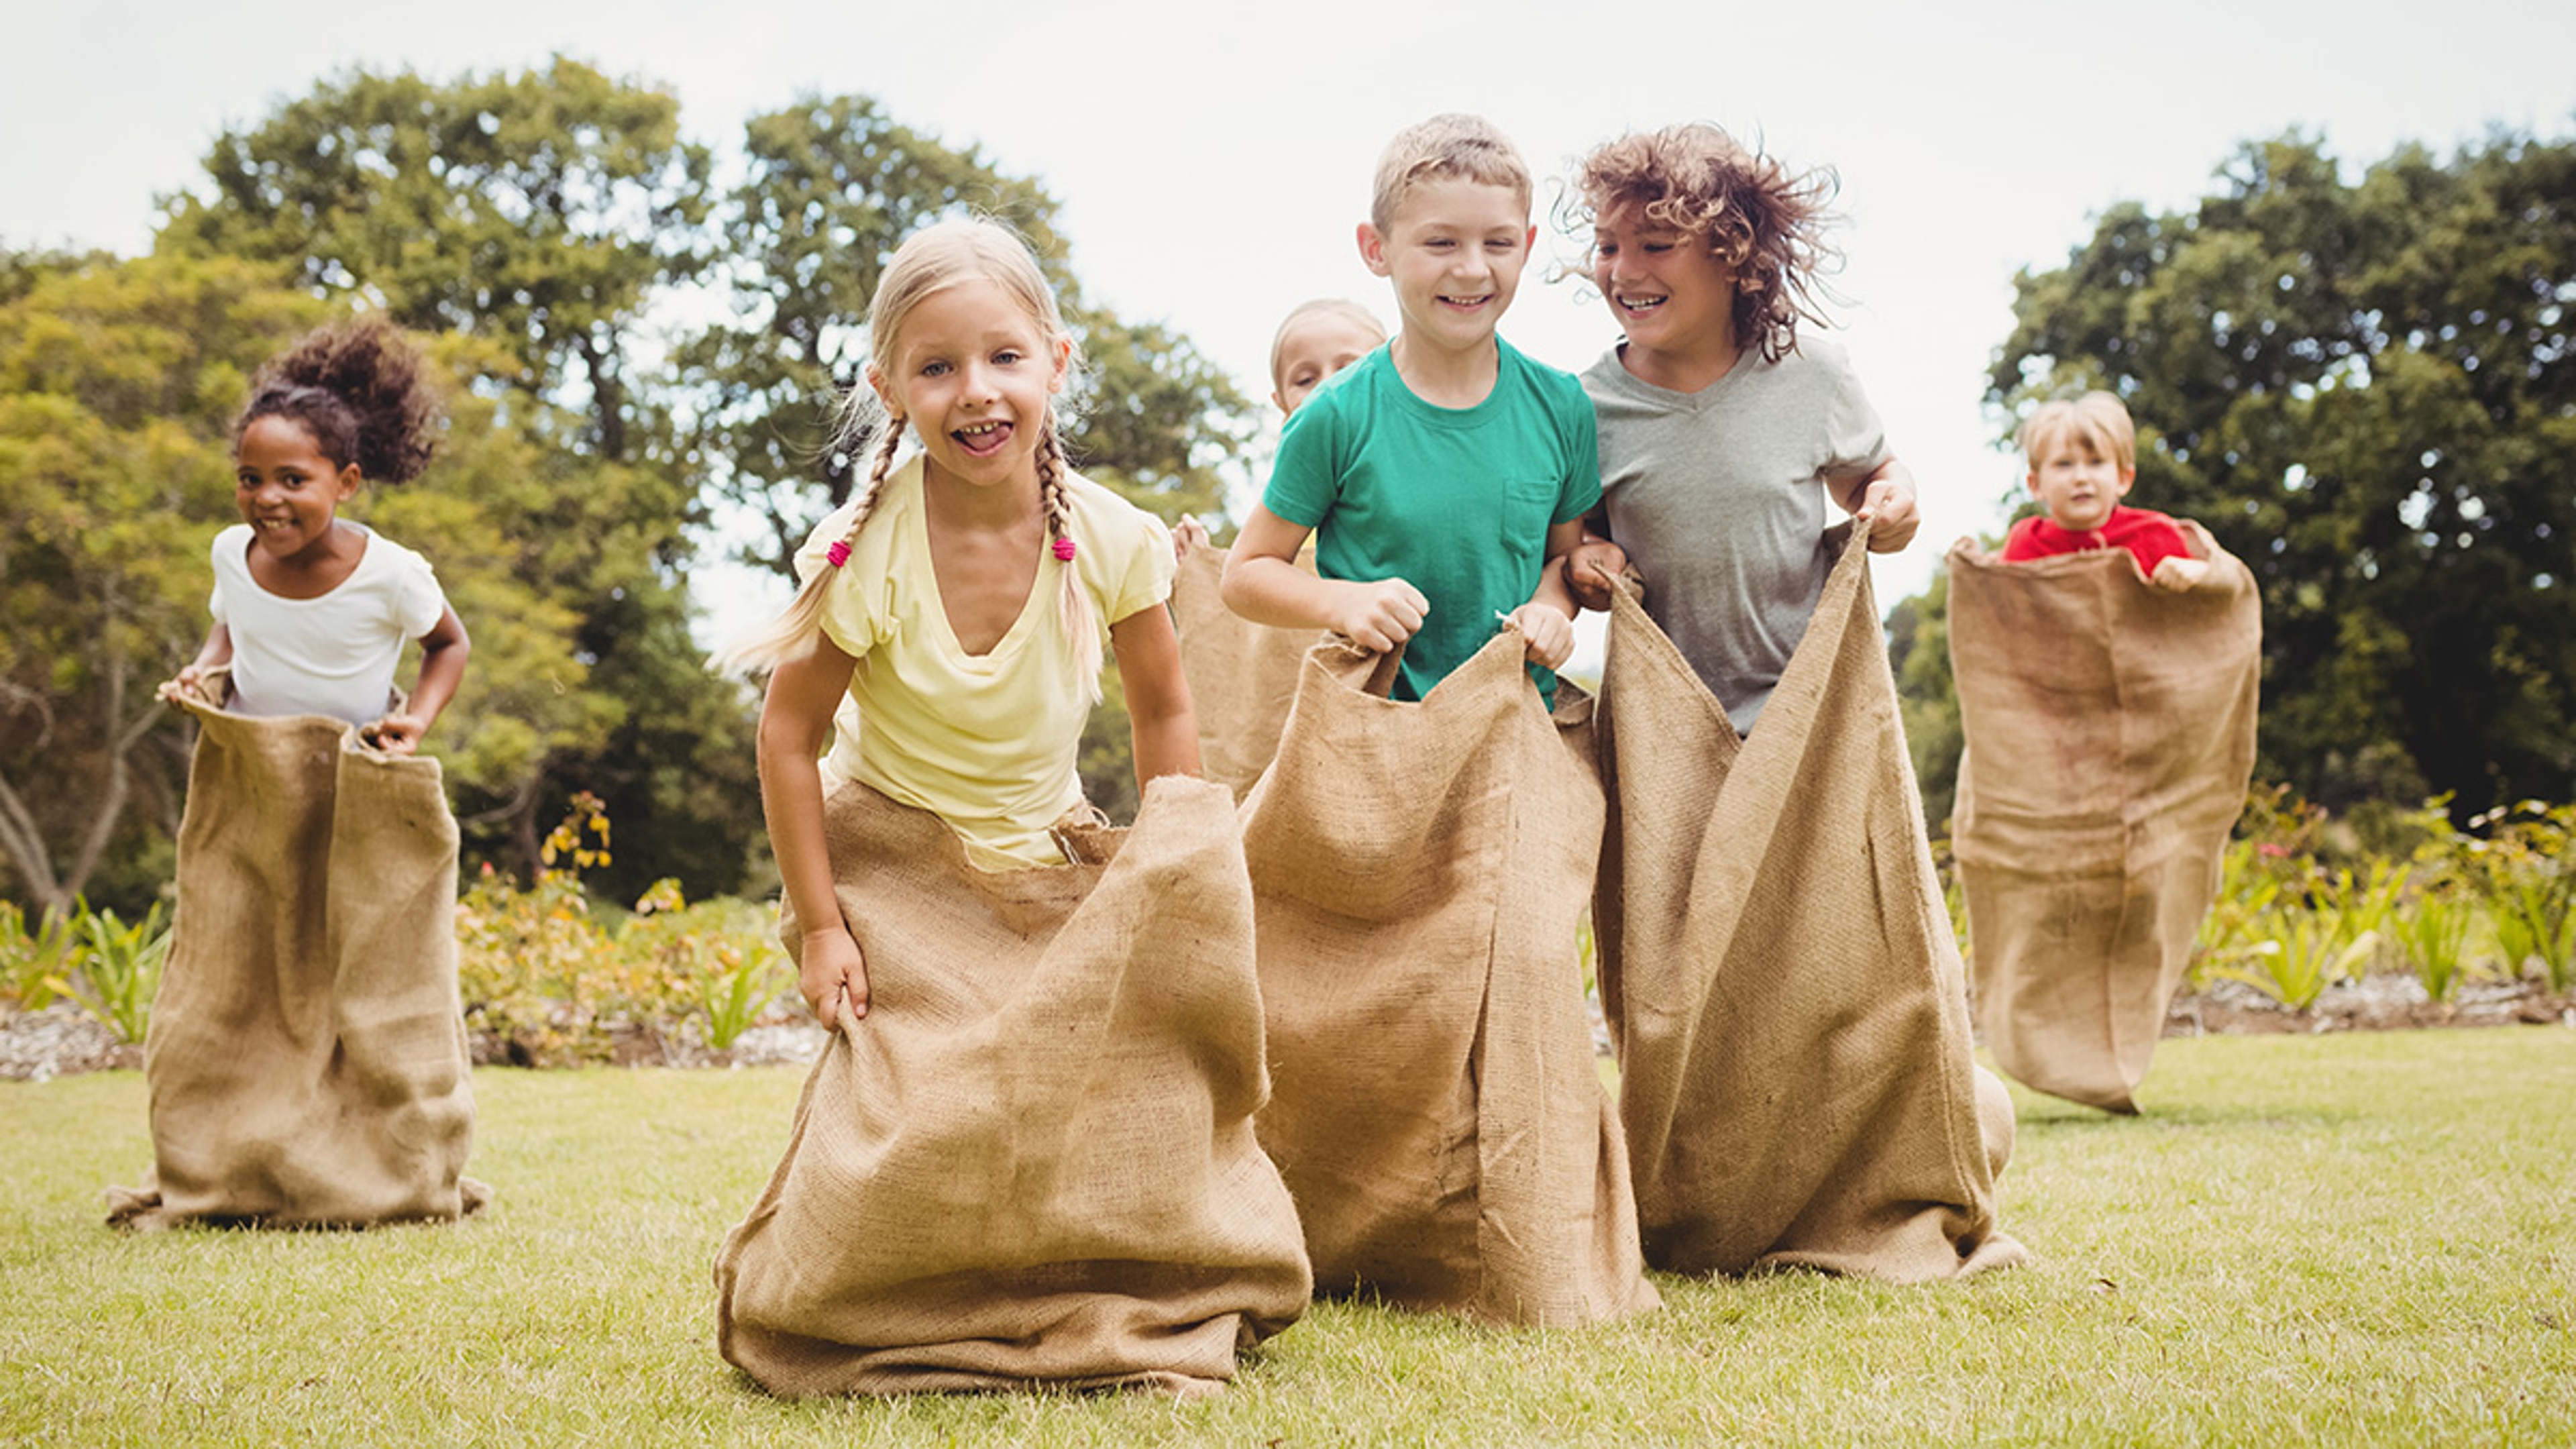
x=2083, y=458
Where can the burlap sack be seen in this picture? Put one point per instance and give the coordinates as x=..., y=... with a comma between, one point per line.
x=1242, y=675
x=1790, y=1012
x=2110, y=729
x=1032, y=1164
x=1420, y=870
x=306, y=1056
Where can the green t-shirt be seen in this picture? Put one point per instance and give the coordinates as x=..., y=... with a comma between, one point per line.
x=1455, y=501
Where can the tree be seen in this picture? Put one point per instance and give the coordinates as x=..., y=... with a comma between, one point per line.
x=2365, y=390
x=118, y=385
x=540, y=215
x=543, y=211
x=831, y=188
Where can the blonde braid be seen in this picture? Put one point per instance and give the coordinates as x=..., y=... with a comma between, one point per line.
x=793, y=632
x=1081, y=630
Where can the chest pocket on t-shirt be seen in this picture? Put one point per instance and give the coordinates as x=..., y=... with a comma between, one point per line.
x=1529, y=506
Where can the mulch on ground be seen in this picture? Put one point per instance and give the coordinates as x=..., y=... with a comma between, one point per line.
x=63, y=1040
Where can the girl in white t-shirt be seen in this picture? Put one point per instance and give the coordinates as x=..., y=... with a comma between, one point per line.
x=923, y=651
x=311, y=611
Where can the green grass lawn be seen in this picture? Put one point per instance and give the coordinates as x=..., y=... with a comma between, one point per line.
x=2345, y=1239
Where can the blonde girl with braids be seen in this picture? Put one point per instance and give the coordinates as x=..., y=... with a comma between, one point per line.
x=945, y=645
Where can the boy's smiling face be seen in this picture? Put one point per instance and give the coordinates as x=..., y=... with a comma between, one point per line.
x=1669, y=292
x=2077, y=485
x=1454, y=249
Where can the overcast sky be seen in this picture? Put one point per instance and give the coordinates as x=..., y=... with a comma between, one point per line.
x=1212, y=159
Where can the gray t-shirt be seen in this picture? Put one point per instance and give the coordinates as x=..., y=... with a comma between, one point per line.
x=1718, y=498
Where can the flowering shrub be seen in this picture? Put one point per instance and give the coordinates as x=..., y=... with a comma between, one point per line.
x=543, y=973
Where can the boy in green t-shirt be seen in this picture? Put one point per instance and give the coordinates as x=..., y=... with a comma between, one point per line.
x=1445, y=475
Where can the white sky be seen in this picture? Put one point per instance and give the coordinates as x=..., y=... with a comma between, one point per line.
x=1213, y=158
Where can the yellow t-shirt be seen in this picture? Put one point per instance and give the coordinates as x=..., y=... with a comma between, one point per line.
x=984, y=741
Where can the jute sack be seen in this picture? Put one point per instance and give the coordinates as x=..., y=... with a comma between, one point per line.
x=1032, y=1163
x=1791, y=1015
x=2110, y=729
x=306, y=1057
x=1419, y=872
x=1243, y=676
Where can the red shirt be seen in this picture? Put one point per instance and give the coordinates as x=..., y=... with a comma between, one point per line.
x=2149, y=535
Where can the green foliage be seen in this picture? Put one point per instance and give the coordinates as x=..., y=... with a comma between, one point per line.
x=2435, y=935
x=2524, y=866
x=120, y=970
x=2365, y=389
x=541, y=211
x=1918, y=651
x=538, y=215
x=118, y=381
x=539, y=969
x=833, y=185
x=30, y=961
x=2301, y=954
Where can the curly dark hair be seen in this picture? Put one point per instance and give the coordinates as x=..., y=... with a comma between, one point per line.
x=362, y=389
x=1760, y=218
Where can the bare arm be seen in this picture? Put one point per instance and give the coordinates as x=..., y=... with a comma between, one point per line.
x=1593, y=561
x=1264, y=584
x=1885, y=496
x=443, y=651
x=795, y=724
x=1547, y=620
x=216, y=652
x=1164, y=726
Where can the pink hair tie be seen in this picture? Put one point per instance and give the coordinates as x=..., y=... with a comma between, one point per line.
x=1064, y=550
x=839, y=553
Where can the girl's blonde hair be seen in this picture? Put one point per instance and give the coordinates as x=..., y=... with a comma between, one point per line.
x=1763, y=220
x=930, y=261
x=2098, y=418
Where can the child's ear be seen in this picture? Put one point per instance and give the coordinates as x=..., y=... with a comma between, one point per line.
x=885, y=394
x=2128, y=476
x=1279, y=401
x=1373, y=249
x=350, y=481
x=1063, y=350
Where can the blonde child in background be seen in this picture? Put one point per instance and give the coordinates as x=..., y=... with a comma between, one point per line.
x=307, y=1049
x=2083, y=460
x=311, y=611
x=1026, y=1156
x=1316, y=340
x=1243, y=675
x=1723, y=431
x=1445, y=476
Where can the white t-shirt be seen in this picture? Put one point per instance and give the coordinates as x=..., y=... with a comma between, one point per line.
x=333, y=655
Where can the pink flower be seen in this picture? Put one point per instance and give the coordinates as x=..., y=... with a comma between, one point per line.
x=1064, y=550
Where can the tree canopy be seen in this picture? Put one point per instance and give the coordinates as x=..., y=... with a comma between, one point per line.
x=555, y=240
x=118, y=384
x=2363, y=387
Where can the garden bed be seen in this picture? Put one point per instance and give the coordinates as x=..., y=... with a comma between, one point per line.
x=63, y=1040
